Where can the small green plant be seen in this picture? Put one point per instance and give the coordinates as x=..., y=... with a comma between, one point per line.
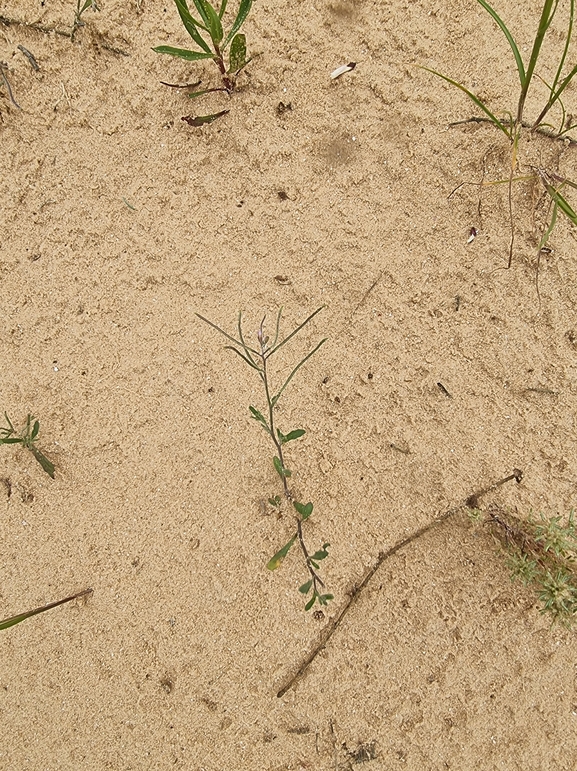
x=541, y=552
x=258, y=359
x=81, y=7
x=27, y=438
x=511, y=126
x=13, y=620
x=212, y=43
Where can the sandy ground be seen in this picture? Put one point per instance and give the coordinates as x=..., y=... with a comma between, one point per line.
x=118, y=223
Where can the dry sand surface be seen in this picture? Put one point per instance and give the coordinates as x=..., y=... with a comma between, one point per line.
x=119, y=222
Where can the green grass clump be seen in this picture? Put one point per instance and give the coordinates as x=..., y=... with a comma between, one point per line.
x=511, y=126
x=541, y=553
x=257, y=358
x=27, y=438
x=212, y=42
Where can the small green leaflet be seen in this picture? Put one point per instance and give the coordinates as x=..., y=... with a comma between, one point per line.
x=284, y=438
x=311, y=602
x=305, y=510
x=278, y=558
x=260, y=417
x=282, y=472
x=305, y=588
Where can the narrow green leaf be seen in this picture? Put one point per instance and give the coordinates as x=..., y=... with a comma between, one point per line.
x=305, y=588
x=12, y=440
x=196, y=94
x=222, y=8
x=324, y=598
x=311, y=602
x=560, y=201
x=46, y=464
x=471, y=96
x=243, y=12
x=214, y=23
x=35, y=430
x=237, y=58
x=278, y=558
x=304, y=510
x=200, y=6
x=314, y=564
x=260, y=417
x=8, y=622
x=182, y=53
x=191, y=25
x=510, y=40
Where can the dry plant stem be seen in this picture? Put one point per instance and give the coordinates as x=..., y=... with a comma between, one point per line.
x=7, y=84
x=330, y=629
x=9, y=21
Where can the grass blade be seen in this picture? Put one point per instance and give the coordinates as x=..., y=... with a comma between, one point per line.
x=510, y=40
x=546, y=18
x=191, y=25
x=222, y=8
x=13, y=620
x=182, y=53
x=559, y=200
x=200, y=6
x=478, y=102
x=214, y=24
x=243, y=12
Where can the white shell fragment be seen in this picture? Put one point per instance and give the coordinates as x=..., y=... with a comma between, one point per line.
x=342, y=69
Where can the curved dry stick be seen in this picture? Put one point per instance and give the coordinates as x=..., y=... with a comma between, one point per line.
x=470, y=503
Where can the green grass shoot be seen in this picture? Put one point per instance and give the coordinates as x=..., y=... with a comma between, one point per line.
x=526, y=72
x=211, y=41
x=27, y=438
x=13, y=620
x=257, y=358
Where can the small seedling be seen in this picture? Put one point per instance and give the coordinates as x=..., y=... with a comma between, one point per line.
x=27, y=438
x=81, y=7
x=13, y=620
x=541, y=552
x=512, y=126
x=258, y=359
x=212, y=43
